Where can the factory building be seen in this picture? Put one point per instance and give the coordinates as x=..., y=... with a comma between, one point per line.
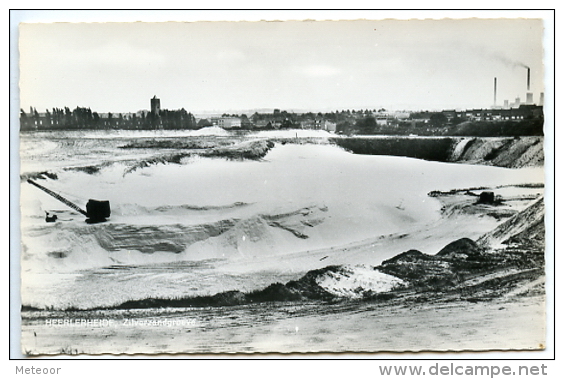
x=529, y=97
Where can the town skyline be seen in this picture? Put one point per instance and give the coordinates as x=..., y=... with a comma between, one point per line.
x=514, y=120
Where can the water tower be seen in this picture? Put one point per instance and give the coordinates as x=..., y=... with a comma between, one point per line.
x=155, y=105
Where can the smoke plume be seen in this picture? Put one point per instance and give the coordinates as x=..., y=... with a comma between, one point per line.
x=507, y=61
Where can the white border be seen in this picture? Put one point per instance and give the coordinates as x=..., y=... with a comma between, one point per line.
x=164, y=15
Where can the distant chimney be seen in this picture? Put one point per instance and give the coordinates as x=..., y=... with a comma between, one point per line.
x=528, y=78
x=529, y=98
x=541, y=101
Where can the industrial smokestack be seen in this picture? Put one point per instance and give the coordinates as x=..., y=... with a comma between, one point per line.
x=528, y=78
x=495, y=92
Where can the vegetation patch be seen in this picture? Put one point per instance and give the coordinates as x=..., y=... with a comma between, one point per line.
x=39, y=175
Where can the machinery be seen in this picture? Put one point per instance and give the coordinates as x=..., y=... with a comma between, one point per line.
x=96, y=210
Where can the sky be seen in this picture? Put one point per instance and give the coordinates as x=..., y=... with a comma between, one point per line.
x=215, y=66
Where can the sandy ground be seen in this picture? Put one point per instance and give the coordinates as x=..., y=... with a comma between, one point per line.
x=78, y=274
x=288, y=328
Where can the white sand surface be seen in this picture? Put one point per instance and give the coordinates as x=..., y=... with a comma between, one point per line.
x=249, y=223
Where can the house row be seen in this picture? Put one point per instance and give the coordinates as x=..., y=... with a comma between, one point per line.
x=524, y=111
x=272, y=123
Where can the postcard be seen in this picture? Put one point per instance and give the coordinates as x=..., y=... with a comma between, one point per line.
x=302, y=186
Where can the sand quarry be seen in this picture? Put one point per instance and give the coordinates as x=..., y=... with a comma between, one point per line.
x=280, y=242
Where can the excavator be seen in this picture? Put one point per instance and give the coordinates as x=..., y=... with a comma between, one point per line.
x=96, y=210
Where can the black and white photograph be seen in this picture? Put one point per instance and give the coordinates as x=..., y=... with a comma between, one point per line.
x=278, y=185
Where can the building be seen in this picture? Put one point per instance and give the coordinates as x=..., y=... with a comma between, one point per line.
x=226, y=122
x=381, y=120
x=330, y=126
x=155, y=105
x=517, y=102
x=313, y=123
x=262, y=124
x=522, y=112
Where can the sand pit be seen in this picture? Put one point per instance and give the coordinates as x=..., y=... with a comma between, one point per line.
x=203, y=225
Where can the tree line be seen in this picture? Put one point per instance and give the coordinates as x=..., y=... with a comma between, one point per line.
x=82, y=118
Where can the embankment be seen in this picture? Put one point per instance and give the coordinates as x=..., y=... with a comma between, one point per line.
x=507, y=152
x=462, y=270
